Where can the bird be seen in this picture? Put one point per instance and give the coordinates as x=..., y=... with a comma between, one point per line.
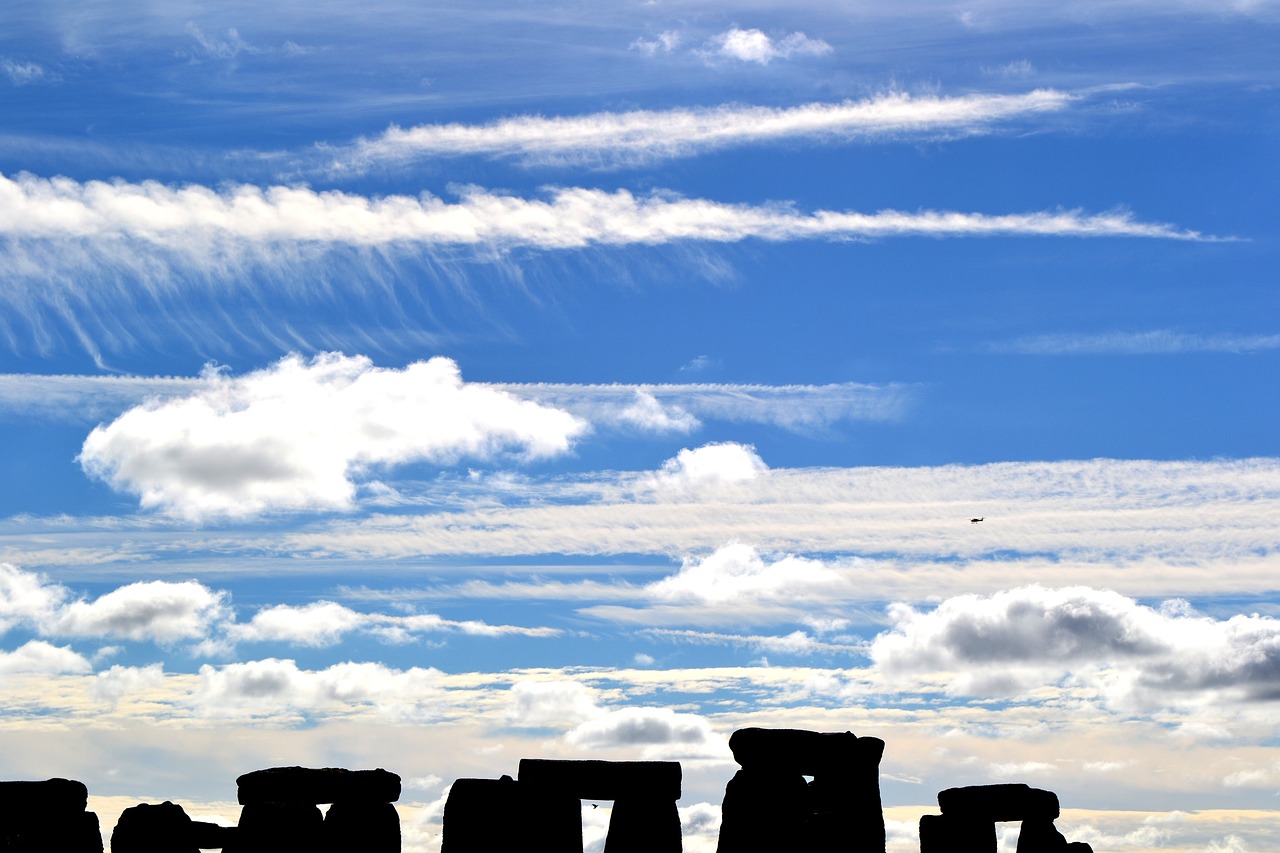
x=976, y=520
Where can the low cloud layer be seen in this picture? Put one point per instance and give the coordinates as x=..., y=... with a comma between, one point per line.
x=297, y=435
x=1135, y=655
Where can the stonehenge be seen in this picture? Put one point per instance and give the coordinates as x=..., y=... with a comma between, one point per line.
x=794, y=790
x=969, y=817
x=548, y=794
x=770, y=805
x=47, y=815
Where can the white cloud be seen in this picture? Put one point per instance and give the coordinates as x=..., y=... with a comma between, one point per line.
x=23, y=73
x=795, y=643
x=737, y=572
x=197, y=221
x=658, y=733
x=664, y=42
x=541, y=704
x=798, y=408
x=298, y=434
x=110, y=685
x=321, y=623
x=659, y=408
x=1128, y=652
x=752, y=45
x=161, y=611
x=709, y=466
x=272, y=687
x=41, y=658
x=647, y=135
x=1157, y=342
x=26, y=598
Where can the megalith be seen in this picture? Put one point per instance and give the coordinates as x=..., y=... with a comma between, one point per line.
x=770, y=805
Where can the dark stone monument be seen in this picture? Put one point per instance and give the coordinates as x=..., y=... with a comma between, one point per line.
x=769, y=805
x=484, y=815
x=969, y=817
x=154, y=828
x=491, y=815
x=644, y=794
x=37, y=817
x=279, y=811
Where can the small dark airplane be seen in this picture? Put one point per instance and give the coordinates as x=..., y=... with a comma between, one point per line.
x=976, y=520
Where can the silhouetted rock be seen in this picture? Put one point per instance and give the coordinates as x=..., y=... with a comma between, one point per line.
x=41, y=816
x=768, y=805
x=311, y=786
x=212, y=836
x=1079, y=847
x=644, y=825
x=153, y=828
x=484, y=816
x=361, y=828
x=50, y=796
x=953, y=834
x=763, y=810
x=604, y=780
x=277, y=828
x=1000, y=802
x=1040, y=836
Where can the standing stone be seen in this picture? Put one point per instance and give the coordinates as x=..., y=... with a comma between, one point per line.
x=1040, y=836
x=484, y=816
x=361, y=828
x=278, y=828
x=952, y=834
x=763, y=810
x=153, y=828
x=644, y=825
x=48, y=815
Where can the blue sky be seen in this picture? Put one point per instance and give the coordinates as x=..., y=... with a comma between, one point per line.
x=431, y=387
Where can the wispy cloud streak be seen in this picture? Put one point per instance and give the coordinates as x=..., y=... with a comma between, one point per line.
x=196, y=218
x=643, y=136
x=1156, y=342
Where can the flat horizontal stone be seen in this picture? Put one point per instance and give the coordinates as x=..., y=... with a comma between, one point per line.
x=312, y=786
x=999, y=802
x=603, y=780
x=49, y=795
x=804, y=752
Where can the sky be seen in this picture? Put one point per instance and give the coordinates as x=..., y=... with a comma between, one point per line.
x=431, y=386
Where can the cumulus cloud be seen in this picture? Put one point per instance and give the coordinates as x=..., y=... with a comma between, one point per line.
x=27, y=598
x=41, y=658
x=540, y=704
x=642, y=136
x=658, y=734
x=664, y=42
x=737, y=573
x=1030, y=636
x=268, y=687
x=160, y=611
x=298, y=434
x=164, y=612
x=326, y=623
x=752, y=45
x=708, y=466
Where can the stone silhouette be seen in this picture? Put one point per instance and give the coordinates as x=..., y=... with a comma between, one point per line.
x=484, y=815
x=969, y=817
x=36, y=817
x=154, y=828
x=279, y=811
x=770, y=806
